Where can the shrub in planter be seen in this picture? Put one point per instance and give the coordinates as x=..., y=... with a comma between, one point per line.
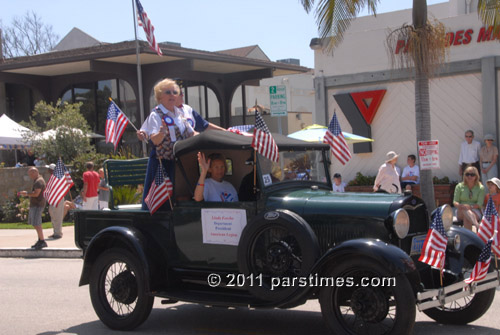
x=362, y=180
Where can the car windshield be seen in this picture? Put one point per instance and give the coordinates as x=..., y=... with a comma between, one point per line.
x=293, y=166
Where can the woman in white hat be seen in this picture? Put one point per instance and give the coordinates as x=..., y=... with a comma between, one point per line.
x=488, y=156
x=387, y=179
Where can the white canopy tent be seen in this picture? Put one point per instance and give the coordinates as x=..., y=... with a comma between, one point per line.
x=11, y=134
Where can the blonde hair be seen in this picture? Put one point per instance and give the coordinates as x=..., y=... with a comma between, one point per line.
x=158, y=89
x=472, y=169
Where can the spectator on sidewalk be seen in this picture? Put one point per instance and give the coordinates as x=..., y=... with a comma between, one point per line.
x=37, y=204
x=56, y=213
x=91, y=182
x=338, y=185
x=488, y=156
x=387, y=179
x=494, y=192
x=411, y=173
x=469, y=153
x=103, y=191
x=469, y=198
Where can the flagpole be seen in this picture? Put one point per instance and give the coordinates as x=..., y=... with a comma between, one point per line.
x=139, y=75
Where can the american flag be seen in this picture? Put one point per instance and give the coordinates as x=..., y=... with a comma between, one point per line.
x=161, y=189
x=59, y=184
x=482, y=265
x=336, y=140
x=263, y=141
x=242, y=129
x=149, y=29
x=490, y=226
x=116, y=122
x=433, y=251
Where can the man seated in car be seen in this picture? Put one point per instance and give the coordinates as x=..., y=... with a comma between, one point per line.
x=214, y=188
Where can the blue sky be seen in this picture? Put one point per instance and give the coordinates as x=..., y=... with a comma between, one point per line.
x=280, y=27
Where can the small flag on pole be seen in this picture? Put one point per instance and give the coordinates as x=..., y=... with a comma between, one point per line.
x=59, y=184
x=161, y=189
x=116, y=122
x=336, y=141
x=148, y=27
x=490, y=226
x=482, y=265
x=263, y=141
x=433, y=251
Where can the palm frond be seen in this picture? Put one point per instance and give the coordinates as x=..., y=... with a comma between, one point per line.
x=334, y=17
x=489, y=12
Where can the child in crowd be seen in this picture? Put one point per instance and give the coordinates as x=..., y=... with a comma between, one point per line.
x=214, y=188
x=338, y=185
x=411, y=173
x=494, y=192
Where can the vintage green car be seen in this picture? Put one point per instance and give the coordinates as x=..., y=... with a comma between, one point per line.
x=287, y=240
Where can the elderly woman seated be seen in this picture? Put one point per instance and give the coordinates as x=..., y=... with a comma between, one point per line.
x=214, y=188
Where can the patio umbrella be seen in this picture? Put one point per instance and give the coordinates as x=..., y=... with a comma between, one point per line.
x=316, y=132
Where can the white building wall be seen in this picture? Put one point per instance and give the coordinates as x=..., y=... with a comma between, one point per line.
x=456, y=99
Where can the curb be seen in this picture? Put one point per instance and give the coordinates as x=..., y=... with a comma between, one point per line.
x=43, y=253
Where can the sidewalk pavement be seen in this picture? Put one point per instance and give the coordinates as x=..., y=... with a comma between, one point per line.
x=18, y=242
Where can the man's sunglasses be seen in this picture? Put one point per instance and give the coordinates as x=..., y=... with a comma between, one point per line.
x=168, y=92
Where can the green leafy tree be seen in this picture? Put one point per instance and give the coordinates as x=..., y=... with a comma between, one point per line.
x=69, y=132
x=425, y=54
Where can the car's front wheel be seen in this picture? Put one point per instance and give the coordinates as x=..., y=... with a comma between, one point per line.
x=117, y=290
x=466, y=309
x=365, y=299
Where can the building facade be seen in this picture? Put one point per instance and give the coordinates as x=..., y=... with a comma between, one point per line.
x=373, y=99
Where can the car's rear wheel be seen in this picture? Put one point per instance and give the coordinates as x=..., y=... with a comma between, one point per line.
x=278, y=249
x=371, y=306
x=466, y=309
x=117, y=290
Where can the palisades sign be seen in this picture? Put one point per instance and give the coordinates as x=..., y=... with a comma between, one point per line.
x=460, y=37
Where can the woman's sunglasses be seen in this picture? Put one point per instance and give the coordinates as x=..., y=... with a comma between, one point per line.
x=470, y=175
x=168, y=92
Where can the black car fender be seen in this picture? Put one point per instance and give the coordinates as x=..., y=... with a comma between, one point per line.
x=116, y=236
x=395, y=260
x=470, y=247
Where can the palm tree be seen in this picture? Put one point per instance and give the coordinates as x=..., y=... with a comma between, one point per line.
x=425, y=54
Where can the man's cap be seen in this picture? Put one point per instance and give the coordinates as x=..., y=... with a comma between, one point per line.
x=51, y=166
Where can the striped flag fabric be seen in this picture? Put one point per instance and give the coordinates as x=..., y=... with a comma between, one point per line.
x=335, y=139
x=242, y=129
x=490, y=226
x=433, y=251
x=482, y=265
x=59, y=184
x=161, y=189
x=148, y=27
x=116, y=122
x=263, y=142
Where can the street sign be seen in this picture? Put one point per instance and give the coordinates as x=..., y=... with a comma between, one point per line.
x=428, y=153
x=277, y=95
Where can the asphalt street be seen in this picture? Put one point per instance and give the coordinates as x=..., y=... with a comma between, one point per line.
x=42, y=296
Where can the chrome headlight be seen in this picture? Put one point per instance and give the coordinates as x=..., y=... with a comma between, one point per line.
x=401, y=223
x=447, y=216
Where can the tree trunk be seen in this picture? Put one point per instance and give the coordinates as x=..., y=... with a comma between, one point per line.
x=423, y=128
x=422, y=104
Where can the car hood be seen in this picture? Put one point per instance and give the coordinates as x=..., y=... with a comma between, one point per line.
x=311, y=201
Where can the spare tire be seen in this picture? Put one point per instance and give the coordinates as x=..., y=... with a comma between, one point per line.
x=277, y=249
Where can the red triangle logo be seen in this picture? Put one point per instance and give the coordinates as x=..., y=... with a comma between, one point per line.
x=368, y=103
